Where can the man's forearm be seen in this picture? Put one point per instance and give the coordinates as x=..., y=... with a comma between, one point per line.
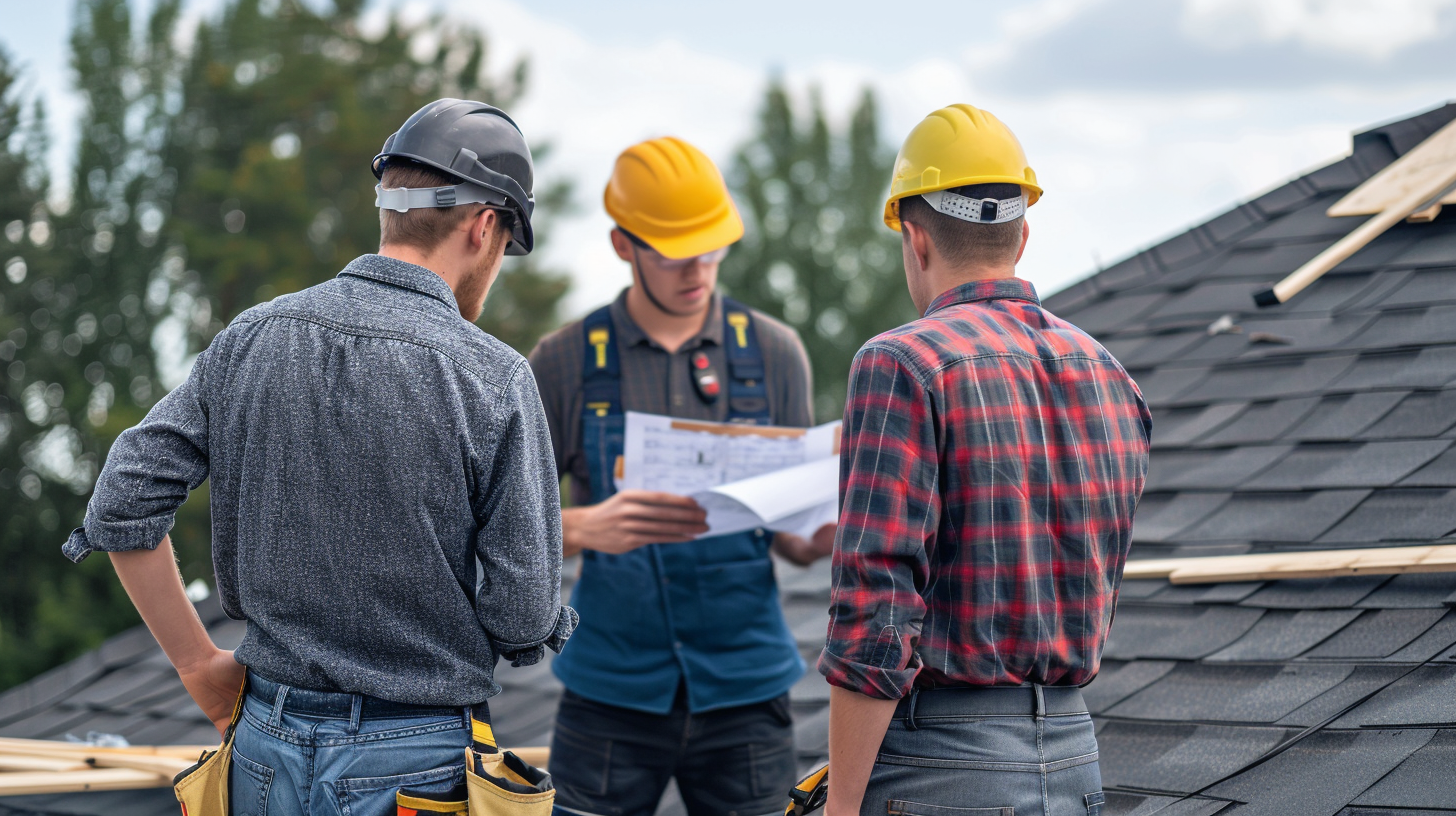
x=571, y=521
x=152, y=582
x=857, y=726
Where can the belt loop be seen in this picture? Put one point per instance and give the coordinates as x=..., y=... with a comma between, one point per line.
x=1040, y=702
x=466, y=715
x=356, y=710
x=280, y=696
x=910, y=724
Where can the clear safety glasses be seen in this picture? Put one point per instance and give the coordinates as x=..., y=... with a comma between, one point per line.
x=675, y=264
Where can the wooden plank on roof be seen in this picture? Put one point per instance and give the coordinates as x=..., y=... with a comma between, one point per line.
x=1412, y=187
x=167, y=766
x=52, y=748
x=46, y=766
x=99, y=779
x=1430, y=159
x=15, y=762
x=1284, y=565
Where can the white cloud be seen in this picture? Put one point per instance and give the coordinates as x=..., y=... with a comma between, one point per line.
x=1369, y=28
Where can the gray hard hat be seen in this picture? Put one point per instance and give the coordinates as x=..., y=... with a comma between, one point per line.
x=474, y=142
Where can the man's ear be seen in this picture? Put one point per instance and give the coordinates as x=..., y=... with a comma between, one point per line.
x=622, y=244
x=918, y=241
x=479, y=227
x=1025, y=234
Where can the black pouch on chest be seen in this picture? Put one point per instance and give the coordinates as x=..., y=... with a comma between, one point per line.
x=705, y=377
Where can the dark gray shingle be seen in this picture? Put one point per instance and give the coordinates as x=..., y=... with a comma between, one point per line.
x=1294, y=517
x=1369, y=464
x=1281, y=634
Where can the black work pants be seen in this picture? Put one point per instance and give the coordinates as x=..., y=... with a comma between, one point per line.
x=611, y=761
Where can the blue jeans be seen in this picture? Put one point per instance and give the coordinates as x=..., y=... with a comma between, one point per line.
x=309, y=753
x=963, y=758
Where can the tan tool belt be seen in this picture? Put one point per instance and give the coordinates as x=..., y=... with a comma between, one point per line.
x=203, y=788
x=497, y=783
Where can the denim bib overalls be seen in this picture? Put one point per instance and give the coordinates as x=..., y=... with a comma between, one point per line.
x=704, y=614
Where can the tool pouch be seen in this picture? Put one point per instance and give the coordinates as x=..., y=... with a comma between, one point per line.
x=497, y=783
x=202, y=789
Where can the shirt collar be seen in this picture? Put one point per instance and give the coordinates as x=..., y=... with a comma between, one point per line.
x=631, y=334
x=998, y=289
x=404, y=275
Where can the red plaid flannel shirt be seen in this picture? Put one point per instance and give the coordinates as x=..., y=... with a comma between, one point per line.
x=992, y=457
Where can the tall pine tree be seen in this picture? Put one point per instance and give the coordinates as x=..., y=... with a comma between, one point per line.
x=816, y=252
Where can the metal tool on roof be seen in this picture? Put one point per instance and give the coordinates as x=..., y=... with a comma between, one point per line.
x=1413, y=187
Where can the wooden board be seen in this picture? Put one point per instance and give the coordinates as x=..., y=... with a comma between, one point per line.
x=1406, y=174
x=54, y=748
x=99, y=779
x=1282, y=565
x=12, y=762
x=46, y=766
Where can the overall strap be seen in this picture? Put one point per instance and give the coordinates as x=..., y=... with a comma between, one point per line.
x=747, y=390
x=601, y=375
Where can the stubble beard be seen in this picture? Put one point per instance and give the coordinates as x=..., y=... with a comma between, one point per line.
x=474, y=286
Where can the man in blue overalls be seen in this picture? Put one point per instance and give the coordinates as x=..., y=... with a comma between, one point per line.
x=682, y=663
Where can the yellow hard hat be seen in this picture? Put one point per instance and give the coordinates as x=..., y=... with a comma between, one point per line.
x=669, y=194
x=953, y=147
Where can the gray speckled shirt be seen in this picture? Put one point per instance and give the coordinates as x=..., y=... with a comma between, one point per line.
x=367, y=447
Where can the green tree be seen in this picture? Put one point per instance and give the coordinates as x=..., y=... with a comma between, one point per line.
x=203, y=183
x=77, y=334
x=285, y=109
x=816, y=252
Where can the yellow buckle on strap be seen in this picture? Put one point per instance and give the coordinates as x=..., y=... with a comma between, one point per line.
x=599, y=338
x=739, y=322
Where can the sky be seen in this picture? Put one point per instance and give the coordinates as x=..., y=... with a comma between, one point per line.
x=1140, y=117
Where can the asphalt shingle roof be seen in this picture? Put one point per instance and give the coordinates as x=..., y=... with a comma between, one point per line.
x=1325, y=422
x=1322, y=423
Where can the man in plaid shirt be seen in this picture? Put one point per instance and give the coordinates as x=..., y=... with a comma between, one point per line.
x=992, y=458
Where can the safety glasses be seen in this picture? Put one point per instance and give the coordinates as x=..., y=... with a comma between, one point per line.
x=674, y=264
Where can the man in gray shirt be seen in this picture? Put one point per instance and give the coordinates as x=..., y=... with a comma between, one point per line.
x=384, y=496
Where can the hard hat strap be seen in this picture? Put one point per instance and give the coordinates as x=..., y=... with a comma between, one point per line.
x=402, y=199
x=976, y=210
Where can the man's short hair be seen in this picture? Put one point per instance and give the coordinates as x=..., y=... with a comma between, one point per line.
x=966, y=243
x=424, y=228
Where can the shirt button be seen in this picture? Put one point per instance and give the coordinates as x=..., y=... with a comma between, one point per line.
x=677, y=644
x=666, y=580
x=677, y=399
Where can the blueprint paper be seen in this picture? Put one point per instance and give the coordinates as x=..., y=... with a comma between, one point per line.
x=744, y=476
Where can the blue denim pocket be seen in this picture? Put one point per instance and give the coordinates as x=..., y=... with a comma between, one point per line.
x=248, y=784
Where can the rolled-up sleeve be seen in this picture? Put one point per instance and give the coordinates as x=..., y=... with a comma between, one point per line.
x=148, y=473
x=889, y=513
x=518, y=506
